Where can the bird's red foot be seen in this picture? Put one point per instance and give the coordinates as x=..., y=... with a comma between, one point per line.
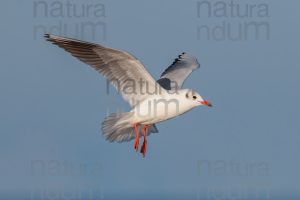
x=137, y=137
x=136, y=144
x=144, y=146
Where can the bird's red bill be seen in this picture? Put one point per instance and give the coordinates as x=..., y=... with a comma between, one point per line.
x=206, y=103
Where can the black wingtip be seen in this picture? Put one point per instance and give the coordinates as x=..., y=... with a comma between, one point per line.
x=47, y=35
x=179, y=56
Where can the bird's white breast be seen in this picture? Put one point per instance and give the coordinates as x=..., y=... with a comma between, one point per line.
x=156, y=109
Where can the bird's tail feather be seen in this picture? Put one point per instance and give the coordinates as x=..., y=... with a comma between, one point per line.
x=117, y=127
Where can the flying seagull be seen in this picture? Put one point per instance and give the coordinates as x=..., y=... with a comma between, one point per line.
x=151, y=101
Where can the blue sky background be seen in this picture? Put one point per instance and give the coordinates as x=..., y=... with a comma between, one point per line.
x=51, y=106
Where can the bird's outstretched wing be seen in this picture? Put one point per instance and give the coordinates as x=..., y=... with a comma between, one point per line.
x=174, y=76
x=125, y=72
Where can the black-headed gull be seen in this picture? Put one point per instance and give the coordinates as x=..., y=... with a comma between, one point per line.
x=152, y=102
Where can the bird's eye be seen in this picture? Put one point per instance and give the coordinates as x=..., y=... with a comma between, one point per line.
x=194, y=97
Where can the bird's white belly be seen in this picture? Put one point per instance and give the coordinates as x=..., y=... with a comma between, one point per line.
x=155, y=110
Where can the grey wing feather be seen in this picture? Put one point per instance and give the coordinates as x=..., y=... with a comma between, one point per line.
x=174, y=76
x=124, y=71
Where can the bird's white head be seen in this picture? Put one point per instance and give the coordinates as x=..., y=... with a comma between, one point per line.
x=193, y=98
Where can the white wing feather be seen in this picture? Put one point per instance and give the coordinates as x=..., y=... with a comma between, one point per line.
x=125, y=72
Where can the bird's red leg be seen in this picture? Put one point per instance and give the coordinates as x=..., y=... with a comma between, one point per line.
x=137, y=136
x=144, y=146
